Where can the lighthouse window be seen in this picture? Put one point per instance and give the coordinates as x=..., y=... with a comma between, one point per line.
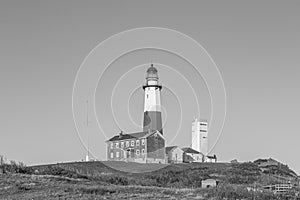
x=132, y=143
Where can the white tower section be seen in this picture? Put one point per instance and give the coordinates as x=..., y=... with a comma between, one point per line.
x=203, y=137
x=199, y=136
x=152, y=98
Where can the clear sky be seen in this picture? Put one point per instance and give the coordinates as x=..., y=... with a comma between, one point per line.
x=255, y=45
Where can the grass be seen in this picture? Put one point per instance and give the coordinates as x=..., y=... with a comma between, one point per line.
x=102, y=180
x=108, y=167
x=19, y=186
x=53, y=187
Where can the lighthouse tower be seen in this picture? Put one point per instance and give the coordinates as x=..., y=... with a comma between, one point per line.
x=152, y=108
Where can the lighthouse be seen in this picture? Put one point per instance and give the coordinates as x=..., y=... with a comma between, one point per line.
x=152, y=106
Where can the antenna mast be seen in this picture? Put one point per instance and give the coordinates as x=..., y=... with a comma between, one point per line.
x=87, y=158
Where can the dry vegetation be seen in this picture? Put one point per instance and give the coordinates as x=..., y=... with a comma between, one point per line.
x=95, y=180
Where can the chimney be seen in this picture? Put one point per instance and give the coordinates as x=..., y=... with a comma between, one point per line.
x=120, y=134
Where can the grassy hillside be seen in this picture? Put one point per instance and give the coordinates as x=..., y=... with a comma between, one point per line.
x=23, y=186
x=175, y=175
x=121, y=180
x=102, y=167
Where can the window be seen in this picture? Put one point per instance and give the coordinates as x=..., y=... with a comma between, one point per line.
x=127, y=143
x=132, y=143
x=117, y=145
x=137, y=152
x=112, y=145
x=111, y=155
x=117, y=154
x=143, y=141
x=138, y=143
x=122, y=144
x=143, y=151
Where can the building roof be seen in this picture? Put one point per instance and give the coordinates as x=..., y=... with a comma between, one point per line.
x=190, y=150
x=130, y=136
x=168, y=149
x=212, y=157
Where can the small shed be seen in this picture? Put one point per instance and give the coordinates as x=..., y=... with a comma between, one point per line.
x=191, y=155
x=174, y=154
x=207, y=183
x=211, y=159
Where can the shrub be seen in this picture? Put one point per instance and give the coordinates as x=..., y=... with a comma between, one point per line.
x=96, y=190
x=59, y=171
x=244, y=173
x=14, y=167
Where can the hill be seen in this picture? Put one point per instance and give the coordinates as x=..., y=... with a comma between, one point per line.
x=121, y=180
x=174, y=175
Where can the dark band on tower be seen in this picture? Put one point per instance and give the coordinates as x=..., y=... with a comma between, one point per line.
x=152, y=106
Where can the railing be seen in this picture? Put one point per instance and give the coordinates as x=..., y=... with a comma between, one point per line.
x=279, y=188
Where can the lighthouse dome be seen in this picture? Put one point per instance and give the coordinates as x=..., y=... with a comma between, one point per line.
x=152, y=73
x=151, y=70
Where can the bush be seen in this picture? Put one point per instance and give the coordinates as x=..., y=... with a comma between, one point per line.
x=91, y=190
x=239, y=192
x=244, y=173
x=112, y=179
x=14, y=167
x=187, y=178
x=59, y=171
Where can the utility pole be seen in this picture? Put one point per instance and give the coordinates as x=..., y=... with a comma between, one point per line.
x=87, y=157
